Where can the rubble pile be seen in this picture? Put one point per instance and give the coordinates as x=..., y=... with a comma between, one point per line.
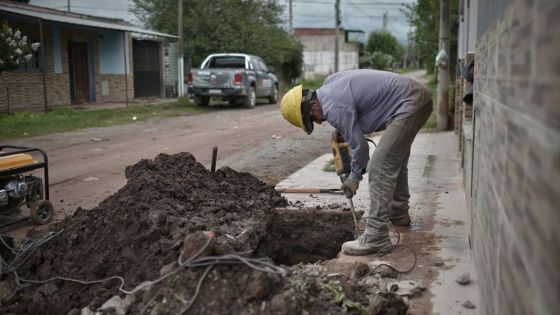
x=161, y=213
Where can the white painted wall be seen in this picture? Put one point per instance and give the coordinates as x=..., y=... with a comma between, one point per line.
x=318, y=55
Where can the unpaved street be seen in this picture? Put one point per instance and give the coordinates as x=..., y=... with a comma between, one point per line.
x=87, y=166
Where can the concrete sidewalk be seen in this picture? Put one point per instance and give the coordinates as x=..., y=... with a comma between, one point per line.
x=440, y=230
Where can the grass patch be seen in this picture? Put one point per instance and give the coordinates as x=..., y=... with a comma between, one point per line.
x=329, y=166
x=63, y=119
x=406, y=70
x=307, y=84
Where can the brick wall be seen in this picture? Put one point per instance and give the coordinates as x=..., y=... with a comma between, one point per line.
x=25, y=89
x=116, y=82
x=512, y=160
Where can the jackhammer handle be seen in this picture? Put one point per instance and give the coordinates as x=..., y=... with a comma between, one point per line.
x=309, y=191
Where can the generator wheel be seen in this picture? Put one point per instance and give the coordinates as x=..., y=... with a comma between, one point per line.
x=42, y=212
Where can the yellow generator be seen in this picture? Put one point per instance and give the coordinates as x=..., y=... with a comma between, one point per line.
x=18, y=187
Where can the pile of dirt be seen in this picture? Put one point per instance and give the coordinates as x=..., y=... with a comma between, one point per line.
x=139, y=232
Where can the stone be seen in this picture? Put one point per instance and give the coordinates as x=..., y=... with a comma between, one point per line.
x=463, y=279
x=114, y=305
x=386, y=272
x=168, y=268
x=360, y=270
x=468, y=304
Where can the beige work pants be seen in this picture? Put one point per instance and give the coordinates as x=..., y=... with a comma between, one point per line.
x=388, y=171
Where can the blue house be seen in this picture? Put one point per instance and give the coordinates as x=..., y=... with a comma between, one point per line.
x=85, y=59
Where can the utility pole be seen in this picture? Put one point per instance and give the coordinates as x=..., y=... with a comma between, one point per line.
x=290, y=18
x=68, y=5
x=385, y=21
x=337, y=30
x=443, y=67
x=180, y=63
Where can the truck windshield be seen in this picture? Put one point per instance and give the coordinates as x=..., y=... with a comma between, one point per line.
x=227, y=62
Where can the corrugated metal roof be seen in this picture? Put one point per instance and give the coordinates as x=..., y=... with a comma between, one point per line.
x=76, y=19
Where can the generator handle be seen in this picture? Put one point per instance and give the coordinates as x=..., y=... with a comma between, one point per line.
x=44, y=164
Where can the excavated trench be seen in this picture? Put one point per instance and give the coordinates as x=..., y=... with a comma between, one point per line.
x=305, y=236
x=139, y=232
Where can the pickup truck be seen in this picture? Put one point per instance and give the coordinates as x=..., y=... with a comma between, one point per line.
x=232, y=77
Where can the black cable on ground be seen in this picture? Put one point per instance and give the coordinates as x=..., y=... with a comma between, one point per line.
x=30, y=245
x=391, y=250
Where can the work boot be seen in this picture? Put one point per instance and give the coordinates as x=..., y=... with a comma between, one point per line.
x=369, y=243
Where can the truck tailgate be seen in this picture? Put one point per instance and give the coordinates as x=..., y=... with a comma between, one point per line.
x=220, y=79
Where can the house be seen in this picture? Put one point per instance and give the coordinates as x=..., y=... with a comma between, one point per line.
x=318, y=51
x=84, y=59
x=510, y=147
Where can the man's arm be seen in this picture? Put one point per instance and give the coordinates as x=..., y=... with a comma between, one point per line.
x=346, y=122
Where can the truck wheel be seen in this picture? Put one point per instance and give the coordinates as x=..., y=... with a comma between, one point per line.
x=42, y=212
x=251, y=98
x=273, y=98
x=202, y=100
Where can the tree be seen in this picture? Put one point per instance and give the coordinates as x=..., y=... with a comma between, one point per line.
x=384, y=42
x=424, y=17
x=376, y=60
x=15, y=51
x=243, y=26
x=381, y=51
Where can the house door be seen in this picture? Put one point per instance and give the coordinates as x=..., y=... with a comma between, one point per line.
x=147, y=68
x=79, y=72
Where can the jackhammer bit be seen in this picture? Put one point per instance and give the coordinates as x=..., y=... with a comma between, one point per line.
x=342, y=157
x=349, y=195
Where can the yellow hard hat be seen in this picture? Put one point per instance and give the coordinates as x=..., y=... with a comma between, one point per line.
x=296, y=111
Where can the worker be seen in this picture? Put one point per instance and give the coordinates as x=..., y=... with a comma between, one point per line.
x=358, y=102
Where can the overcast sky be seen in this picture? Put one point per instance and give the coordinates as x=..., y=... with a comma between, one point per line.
x=365, y=15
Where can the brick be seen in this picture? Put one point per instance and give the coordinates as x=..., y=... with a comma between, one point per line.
x=521, y=50
x=547, y=39
x=545, y=101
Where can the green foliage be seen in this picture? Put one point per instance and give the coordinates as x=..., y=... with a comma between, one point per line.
x=236, y=26
x=313, y=84
x=423, y=15
x=307, y=84
x=381, y=52
x=15, y=51
x=62, y=119
x=339, y=297
x=329, y=166
x=300, y=284
x=384, y=42
x=376, y=60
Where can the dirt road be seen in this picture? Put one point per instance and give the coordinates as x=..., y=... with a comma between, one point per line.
x=87, y=166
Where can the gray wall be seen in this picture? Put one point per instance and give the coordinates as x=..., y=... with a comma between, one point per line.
x=488, y=13
x=514, y=188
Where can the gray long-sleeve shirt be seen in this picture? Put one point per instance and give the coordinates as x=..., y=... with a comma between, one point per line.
x=357, y=102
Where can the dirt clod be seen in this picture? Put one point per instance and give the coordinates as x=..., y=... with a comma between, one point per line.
x=386, y=271
x=387, y=303
x=359, y=271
